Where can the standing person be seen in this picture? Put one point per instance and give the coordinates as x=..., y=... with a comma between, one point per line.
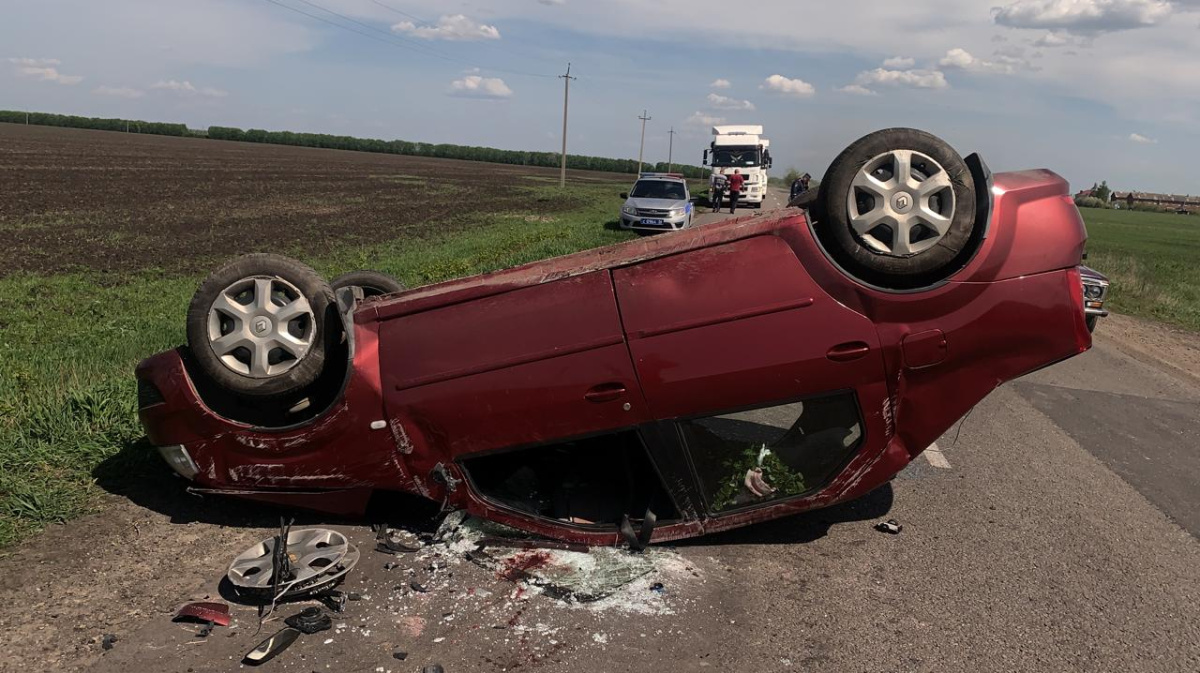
x=717, y=191
x=804, y=180
x=735, y=189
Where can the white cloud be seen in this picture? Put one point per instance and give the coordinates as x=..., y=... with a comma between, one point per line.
x=900, y=62
x=44, y=70
x=857, y=90
x=34, y=62
x=704, y=119
x=718, y=102
x=1083, y=16
x=457, y=27
x=474, y=86
x=186, y=88
x=921, y=79
x=963, y=60
x=720, y=84
x=118, y=92
x=1139, y=138
x=1055, y=39
x=788, y=87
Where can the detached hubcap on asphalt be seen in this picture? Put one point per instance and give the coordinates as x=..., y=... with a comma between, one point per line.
x=901, y=203
x=260, y=327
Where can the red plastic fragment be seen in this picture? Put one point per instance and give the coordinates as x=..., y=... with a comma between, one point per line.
x=217, y=613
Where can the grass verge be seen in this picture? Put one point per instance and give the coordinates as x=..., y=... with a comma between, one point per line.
x=69, y=342
x=1151, y=259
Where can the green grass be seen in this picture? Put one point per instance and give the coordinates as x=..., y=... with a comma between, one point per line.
x=69, y=342
x=1153, y=261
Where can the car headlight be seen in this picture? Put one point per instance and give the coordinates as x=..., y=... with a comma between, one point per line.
x=677, y=212
x=629, y=210
x=179, y=460
x=1093, y=291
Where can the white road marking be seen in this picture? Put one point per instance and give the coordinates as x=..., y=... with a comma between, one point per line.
x=936, y=458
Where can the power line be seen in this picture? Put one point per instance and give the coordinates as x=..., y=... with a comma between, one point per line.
x=489, y=45
x=338, y=25
x=390, y=35
x=391, y=38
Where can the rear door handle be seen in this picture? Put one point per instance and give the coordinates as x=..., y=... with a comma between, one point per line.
x=848, y=351
x=605, y=392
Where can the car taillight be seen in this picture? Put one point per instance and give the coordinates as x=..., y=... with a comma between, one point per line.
x=1083, y=337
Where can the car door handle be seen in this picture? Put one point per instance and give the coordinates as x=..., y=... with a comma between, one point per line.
x=848, y=351
x=605, y=392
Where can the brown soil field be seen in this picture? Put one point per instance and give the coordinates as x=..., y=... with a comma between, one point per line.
x=77, y=199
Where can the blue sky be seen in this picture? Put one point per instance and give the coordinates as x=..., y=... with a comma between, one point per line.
x=1095, y=89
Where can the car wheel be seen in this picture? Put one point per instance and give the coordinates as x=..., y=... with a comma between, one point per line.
x=373, y=283
x=257, y=326
x=897, y=208
x=1091, y=322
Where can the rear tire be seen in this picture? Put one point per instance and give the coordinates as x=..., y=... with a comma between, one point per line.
x=372, y=283
x=897, y=208
x=259, y=325
x=1091, y=322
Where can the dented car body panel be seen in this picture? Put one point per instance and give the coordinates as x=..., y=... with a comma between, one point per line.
x=715, y=377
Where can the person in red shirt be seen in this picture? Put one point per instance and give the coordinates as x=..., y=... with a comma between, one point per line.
x=735, y=188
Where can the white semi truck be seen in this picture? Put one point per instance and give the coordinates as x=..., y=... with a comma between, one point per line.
x=742, y=148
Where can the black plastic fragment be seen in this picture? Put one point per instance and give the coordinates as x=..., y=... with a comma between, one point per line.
x=310, y=621
x=107, y=641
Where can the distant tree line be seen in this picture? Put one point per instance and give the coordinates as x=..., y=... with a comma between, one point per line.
x=97, y=123
x=442, y=151
x=326, y=141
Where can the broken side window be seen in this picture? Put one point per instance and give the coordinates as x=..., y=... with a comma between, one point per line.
x=593, y=481
x=770, y=453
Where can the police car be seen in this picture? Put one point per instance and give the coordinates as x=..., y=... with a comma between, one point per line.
x=657, y=202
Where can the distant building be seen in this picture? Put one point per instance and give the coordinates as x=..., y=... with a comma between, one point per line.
x=1174, y=202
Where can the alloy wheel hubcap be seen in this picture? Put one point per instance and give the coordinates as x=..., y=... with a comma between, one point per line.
x=901, y=203
x=261, y=327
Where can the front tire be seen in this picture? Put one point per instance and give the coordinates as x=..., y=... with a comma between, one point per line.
x=897, y=208
x=259, y=325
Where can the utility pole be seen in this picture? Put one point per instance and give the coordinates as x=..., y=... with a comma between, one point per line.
x=645, y=118
x=562, y=175
x=671, y=149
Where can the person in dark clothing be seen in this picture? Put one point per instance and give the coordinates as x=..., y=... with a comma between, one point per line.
x=717, y=192
x=804, y=180
x=797, y=187
x=735, y=189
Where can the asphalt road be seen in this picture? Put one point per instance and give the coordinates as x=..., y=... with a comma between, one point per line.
x=776, y=198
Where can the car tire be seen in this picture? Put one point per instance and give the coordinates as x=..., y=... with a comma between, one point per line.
x=1091, y=322
x=372, y=283
x=889, y=183
x=259, y=325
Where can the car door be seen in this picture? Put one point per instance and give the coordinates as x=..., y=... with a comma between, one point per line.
x=773, y=388
x=530, y=365
x=531, y=397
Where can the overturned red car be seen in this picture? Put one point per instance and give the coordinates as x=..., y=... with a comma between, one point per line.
x=677, y=385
